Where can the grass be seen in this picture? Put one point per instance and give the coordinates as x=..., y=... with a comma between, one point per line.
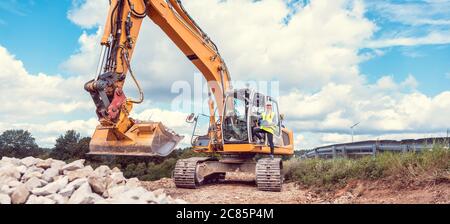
x=430, y=165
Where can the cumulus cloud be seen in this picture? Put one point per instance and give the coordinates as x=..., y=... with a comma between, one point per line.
x=315, y=50
x=26, y=95
x=30, y=101
x=312, y=49
x=441, y=37
x=319, y=44
x=381, y=108
x=88, y=14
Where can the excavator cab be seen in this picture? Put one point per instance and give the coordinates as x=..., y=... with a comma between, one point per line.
x=241, y=114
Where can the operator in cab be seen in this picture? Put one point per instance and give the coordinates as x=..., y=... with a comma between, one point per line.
x=266, y=127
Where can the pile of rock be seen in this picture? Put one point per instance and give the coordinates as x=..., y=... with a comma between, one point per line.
x=36, y=181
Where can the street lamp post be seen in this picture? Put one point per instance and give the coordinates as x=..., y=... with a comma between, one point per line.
x=352, y=127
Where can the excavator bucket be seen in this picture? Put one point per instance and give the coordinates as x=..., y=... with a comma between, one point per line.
x=142, y=139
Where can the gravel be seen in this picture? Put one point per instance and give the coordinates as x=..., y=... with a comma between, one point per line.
x=36, y=181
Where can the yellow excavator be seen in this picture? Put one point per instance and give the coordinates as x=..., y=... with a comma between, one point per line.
x=229, y=134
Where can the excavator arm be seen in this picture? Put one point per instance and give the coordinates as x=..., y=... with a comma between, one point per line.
x=118, y=134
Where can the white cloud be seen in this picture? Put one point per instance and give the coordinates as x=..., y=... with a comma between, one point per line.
x=381, y=108
x=431, y=12
x=84, y=62
x=33, y=102
x=88, y=13
x=315, y=57
x=432, y=38
x=46, y=133
x=320, y=43
x=26, y=96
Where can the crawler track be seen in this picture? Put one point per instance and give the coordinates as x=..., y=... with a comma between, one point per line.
x=185, y=172
x=268, y=175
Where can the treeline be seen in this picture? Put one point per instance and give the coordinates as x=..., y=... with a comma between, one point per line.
x=71, y=146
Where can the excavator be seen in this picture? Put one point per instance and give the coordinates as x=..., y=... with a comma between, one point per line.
x=232, y=112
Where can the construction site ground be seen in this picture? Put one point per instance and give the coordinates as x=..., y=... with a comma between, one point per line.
x=241, y=189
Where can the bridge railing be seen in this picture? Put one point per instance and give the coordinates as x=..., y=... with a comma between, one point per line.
x=368, y=148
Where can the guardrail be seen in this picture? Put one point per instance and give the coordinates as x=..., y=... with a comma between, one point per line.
x=358, y=149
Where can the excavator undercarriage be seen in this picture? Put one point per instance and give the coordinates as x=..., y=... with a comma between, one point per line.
x=193, y=172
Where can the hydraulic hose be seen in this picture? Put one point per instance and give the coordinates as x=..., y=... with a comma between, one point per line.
x=141, y=93
x=138, y=14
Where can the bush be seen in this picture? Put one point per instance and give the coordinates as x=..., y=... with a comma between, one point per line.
x=19, y=144
x=150, y=168
x=70, y=147
x=431, y=165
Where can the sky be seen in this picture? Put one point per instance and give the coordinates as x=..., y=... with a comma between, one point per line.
x=382, y=63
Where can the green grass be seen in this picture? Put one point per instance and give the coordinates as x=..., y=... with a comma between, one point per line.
x=430, y=165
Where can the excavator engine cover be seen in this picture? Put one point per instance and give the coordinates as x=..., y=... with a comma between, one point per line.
x=142, y=139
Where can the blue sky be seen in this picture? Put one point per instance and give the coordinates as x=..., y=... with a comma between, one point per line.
x=374, y=61
x=39, y=33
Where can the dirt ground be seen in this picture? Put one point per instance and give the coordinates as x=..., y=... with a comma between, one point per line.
x=241, y=189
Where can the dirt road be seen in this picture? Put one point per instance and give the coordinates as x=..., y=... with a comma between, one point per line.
x=242, y=190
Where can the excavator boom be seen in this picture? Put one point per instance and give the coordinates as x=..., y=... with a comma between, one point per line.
x=119, y=134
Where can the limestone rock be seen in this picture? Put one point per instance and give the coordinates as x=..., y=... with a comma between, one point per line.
x=11, y=161
x=35, y=182
x=49, y=174
x=84, y=195
x=117, y=178
x=32, y=172
x=33, y=199
x=45, y=164
x=148, y=197
x=4, y=180
x=115, y=191
x=79, y=173
x=29, y=161
x=28, y=175
x=77, y=183
x=72, y=186
x=10, y=171
x=5, y=199
x=162, y=199
x=102, y=171
x=51, y=188
x=5, y=189
x=22, y=169
x=133, y=182
x=158, y=192
x=57, y=164
x=75, y=165
x=98, y=184
x=180, y=201
x=57, y=198
x=20, y=194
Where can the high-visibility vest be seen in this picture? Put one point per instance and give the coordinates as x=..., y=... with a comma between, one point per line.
x=268, y=118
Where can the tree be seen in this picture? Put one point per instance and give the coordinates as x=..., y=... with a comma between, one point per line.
x=69, y=146
x=18, y=143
